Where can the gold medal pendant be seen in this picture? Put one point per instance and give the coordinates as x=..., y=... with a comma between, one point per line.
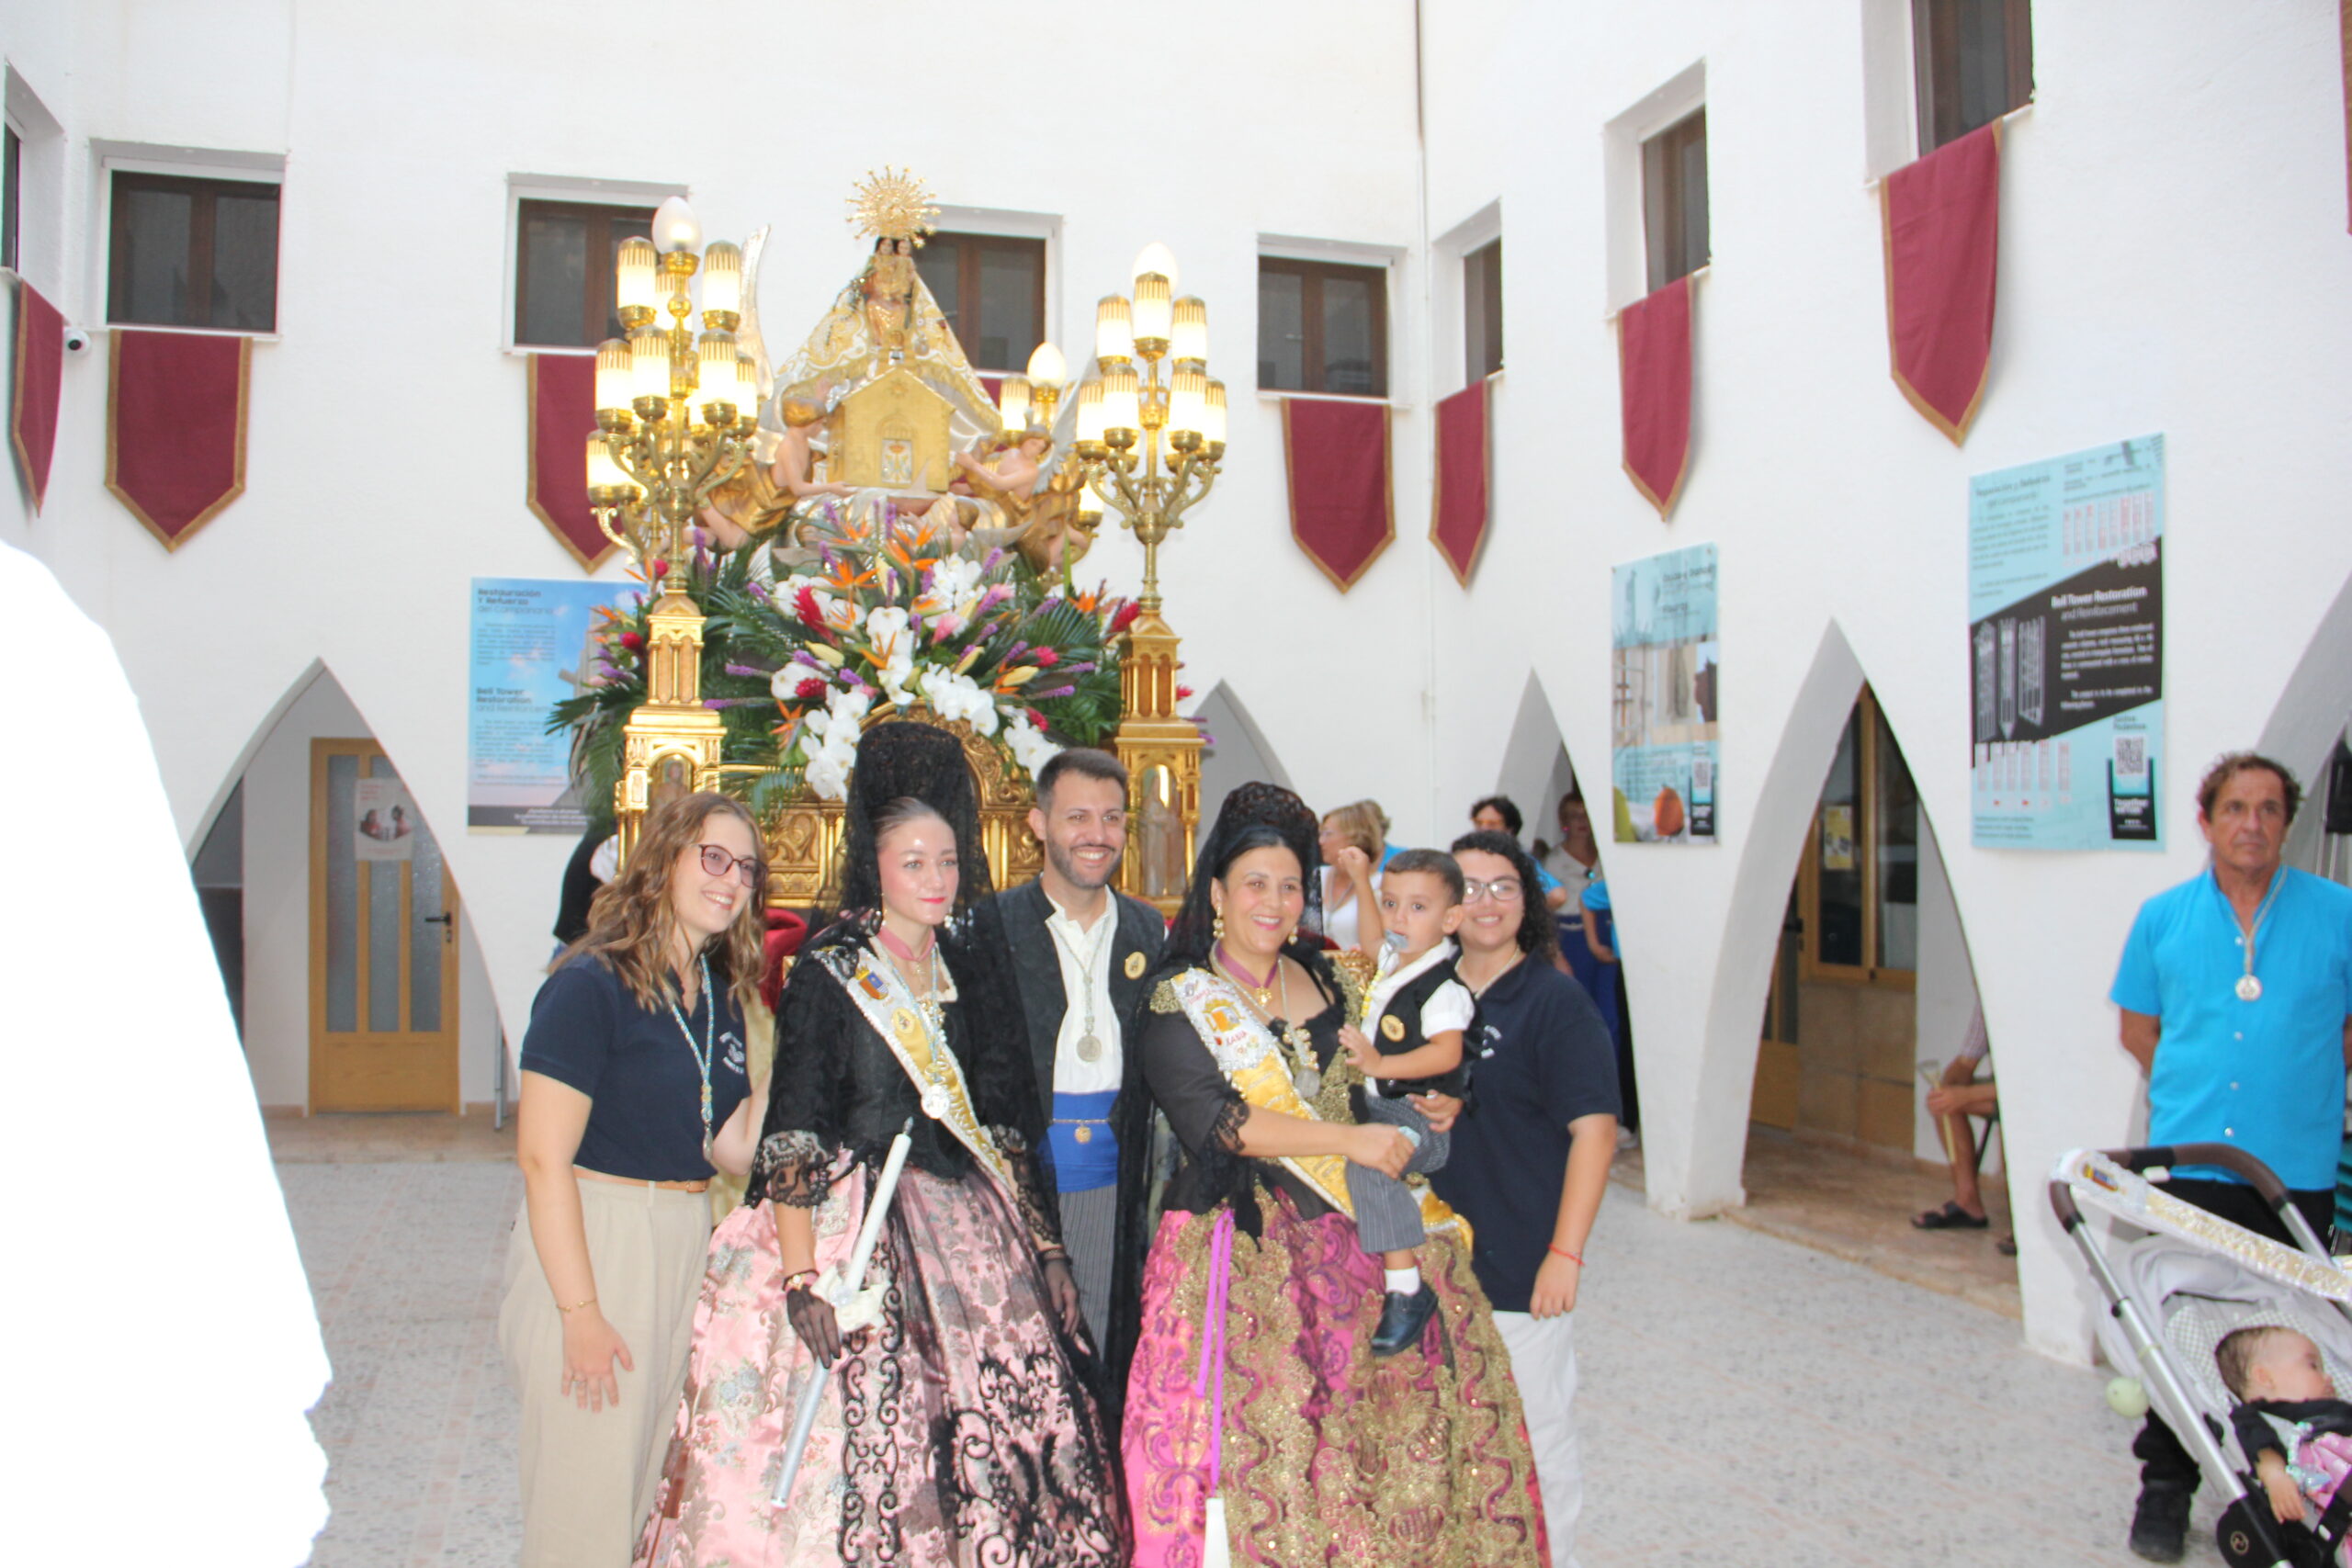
x=2249, y=988
x=1084, y=1134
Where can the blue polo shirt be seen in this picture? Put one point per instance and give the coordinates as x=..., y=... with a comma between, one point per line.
x=2265, y=1074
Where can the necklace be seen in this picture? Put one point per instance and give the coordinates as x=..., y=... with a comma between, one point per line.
x=1089, y=1044
x=898, y=949
x=702, y=1052
x=1306, y=1077
x=1478, y=988
x=2249, y=988
x=1263, y=990
x=937, y=1099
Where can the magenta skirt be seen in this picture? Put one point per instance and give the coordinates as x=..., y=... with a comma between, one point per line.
x=955, y=1434
x=1326, y=1456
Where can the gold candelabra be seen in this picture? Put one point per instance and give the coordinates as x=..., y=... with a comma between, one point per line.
x=1148, y=443
x=675, y=414
x=1150, y=439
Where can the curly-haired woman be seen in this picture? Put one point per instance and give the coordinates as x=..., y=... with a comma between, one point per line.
x=633, y=1091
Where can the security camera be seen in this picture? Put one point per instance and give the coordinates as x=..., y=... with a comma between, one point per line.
x=77, y=340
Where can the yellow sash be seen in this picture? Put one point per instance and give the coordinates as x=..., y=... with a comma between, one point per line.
x=1252, y=1061
x=892, y=1009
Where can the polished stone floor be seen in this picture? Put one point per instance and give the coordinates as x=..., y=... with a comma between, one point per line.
x=1747, y=1400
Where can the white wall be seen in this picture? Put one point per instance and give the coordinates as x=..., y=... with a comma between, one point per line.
x=1947, y=992
x=2174, y=259
x=278, y=909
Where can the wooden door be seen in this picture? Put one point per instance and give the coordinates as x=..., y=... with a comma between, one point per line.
x=383, y=942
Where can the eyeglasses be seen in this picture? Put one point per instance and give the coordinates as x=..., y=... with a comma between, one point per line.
x=1502, y=890
x=718, y=861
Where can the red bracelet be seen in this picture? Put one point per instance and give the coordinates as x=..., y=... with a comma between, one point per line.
x=1566, y=1254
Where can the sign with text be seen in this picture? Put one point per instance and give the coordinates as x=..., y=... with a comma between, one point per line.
x=2066, y=650
x=1663, y=670
x=533, y=646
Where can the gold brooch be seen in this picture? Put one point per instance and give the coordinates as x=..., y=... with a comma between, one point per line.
x=1135, y=965
x=1392, y=1027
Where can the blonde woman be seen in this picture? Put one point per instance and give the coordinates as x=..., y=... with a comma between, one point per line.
x=634, y=1094
x=1352, y=840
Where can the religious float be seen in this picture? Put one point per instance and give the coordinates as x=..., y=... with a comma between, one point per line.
x=862, y=534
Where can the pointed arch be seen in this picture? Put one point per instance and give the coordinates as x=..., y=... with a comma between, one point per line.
x=1238, y=750
x=2303, y=724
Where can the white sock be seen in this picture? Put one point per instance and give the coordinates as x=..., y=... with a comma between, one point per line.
x=1406, y=1280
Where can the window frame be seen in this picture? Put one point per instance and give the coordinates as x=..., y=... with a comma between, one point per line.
x=1810, y=968
x=1482, y=311
x=208, y=183
x=971, y=242
x=599, y=280
x=1312, y=272
x=1665, y=237
x=12, y=195
x=1935, y=79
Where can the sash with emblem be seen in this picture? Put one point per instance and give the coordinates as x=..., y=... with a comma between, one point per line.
x=1252, y=1061
x=937, y=1076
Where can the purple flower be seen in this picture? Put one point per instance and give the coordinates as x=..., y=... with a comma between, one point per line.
x=1049, y=696
x=752, y=671
x=994, y=559
x=1078, y=669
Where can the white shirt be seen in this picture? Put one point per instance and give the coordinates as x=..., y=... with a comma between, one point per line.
x=1449, y=1007
x=1345, y=925
x=1085, y=954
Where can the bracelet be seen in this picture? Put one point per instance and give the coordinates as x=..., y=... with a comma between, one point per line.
x=1564, y=1252
x=793, y=1280
x=575, y=1306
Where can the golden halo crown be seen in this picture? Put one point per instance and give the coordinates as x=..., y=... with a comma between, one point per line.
x=892, y=205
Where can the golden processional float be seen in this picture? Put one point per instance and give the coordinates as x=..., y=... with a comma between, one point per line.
x=862, y=535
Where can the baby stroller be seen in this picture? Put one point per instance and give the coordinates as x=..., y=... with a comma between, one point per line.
x=2177, y=1290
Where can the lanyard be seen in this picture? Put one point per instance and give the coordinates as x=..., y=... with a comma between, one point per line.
x=702, y=1053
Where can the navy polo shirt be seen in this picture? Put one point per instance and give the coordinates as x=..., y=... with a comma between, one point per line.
x=2265, y=1074
x=1540, y=1058
x=589, y=1031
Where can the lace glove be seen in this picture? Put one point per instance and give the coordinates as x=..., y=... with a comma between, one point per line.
x=812, y=1319
x=1061, y=1292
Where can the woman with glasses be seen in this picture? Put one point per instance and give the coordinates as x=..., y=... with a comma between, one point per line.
x=1531, y=1160
x=634, y=1092
x=1257, y=1422
x=957, y=1426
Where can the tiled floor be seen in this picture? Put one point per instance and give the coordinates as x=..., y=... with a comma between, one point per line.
x=1746, y=1401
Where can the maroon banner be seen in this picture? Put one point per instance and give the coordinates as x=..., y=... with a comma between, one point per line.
x=1654, y=392
x=175, y=428
x=1942, y=216
x=1458, y=516
x=1340, y=509
x=563, y=415
x=41, y=364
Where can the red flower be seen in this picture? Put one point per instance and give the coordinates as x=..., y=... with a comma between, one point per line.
x=804, y=604
x=1125, y=617
x=811, y=690
x=633, y=641
x=1045, y=658
x=1038, y=719
x=1183, y=692
x=660, y=569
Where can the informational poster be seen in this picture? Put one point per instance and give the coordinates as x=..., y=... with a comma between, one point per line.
x=2065, y=650
x=533, y=647
x=383, y=820
x=1663, y=675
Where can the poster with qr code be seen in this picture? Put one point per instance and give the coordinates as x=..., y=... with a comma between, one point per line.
x=1663, y=669
x=2065, y=650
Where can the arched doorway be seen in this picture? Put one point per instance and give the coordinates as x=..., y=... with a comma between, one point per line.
x=1237, y=751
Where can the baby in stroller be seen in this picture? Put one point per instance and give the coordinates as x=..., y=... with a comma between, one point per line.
x=2288, y=1420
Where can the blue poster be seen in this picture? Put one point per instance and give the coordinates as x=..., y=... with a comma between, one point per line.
x=533, y=646
x=2066, y=649
x=1663, y=670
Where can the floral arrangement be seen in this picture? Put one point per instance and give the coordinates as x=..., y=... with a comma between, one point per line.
x=887, y=615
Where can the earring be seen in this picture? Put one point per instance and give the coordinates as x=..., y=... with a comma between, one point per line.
x=1216, y=927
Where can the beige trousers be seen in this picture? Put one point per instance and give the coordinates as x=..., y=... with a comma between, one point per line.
x=589, y=1478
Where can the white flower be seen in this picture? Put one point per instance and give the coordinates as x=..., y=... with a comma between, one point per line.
x=955, y=586
x=892, y=643
x=953, y=696
x=844, y=715
x=826, y=775
x=1028, y=744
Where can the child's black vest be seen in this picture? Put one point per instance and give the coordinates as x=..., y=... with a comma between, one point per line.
x=1405, y=1007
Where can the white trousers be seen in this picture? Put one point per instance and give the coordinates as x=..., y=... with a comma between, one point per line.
x=1544, y=1364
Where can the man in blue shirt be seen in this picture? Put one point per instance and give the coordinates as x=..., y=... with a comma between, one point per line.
x=2236, y=995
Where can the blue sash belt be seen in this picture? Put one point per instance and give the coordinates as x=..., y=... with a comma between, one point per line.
x=1086, y=1155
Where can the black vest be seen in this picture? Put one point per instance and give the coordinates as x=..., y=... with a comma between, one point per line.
x=1405, y=1007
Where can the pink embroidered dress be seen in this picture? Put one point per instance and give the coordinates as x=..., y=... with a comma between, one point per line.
x=1252, y=1384
x=959, y=1430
